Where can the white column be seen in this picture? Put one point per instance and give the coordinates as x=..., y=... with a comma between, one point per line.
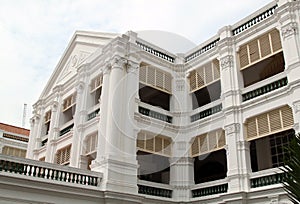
x=54, y=125
x=130, y=130
x=79, y=119
x=116, y=103
x=103, y=113
x=181, y=177
x=32, y=137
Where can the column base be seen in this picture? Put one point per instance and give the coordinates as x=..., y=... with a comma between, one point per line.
x=118, y=176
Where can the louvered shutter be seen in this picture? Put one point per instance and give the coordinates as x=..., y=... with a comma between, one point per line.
x=204, y=75
x=156, y=78
x=265, y=124
x=154, y=144
x=96, y=82
x=260, y=48
x=208, y=142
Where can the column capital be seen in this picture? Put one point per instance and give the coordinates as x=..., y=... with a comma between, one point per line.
x=226, y=62
x=54, y=107
x=80, y=87
x=132, y=67
x=232, y=128
x=289, y=30
x=118, y=62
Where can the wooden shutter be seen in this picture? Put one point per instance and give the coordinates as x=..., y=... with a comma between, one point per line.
x=48, y=116
x=96, y=82
x=157, y=144
x=91, y=143
x=265, y=124
x=69, y=102
x=260, y=48
x=204, y=75
x=208, y=142
x=63, y=155
x=156, y=78
x=12, y=151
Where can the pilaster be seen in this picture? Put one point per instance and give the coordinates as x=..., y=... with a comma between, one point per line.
x=238, y=159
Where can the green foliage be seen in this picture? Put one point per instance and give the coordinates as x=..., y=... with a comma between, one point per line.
x=291, y=181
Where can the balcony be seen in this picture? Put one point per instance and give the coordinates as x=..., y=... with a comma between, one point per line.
x=265, y=89
x=46, y=171
x=210, y=188
x=266, y=178
x=154, y=189
x=154, y=112
x=93, y=114
x=66, y=128
x=207, y=110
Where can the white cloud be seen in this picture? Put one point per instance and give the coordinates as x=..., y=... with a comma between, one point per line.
x=34, y=34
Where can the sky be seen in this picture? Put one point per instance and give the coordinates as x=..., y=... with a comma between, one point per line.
x=35, y=33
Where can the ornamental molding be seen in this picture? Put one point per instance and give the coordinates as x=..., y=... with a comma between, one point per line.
x=132, y=67
x=296, y=106
x=289, y=30
x=118, y=62
x=232, y=128
x=226, y=62
x=106, y=68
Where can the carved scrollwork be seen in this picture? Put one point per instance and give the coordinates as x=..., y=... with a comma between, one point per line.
x=288, y=30
x=227, y=62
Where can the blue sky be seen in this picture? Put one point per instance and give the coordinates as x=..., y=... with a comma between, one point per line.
x=34, y=34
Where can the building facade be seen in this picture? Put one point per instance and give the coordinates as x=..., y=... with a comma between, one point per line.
x=206, y=126
x=13, y=140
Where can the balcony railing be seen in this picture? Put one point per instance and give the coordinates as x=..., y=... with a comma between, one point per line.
x=155, y=52
x=93, y=114
x=217, y=189
x=267, y=180
x=154, y=114
x=66, y=130
x=154, y=191
x=260, y=17
x=206, y=113
x=202, y=50
x=265, y=89
x=47, y=171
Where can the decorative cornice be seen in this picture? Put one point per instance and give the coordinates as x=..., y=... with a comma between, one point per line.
x=289, y=30
x=232, y=128
x=226, y=62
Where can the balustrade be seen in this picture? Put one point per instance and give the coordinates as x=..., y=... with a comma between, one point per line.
x=206, y=113
x=154, y=191
x=210, y=190
x=202, y=50
x=265, y=89
x=154, y=114
x=47, y=171
x=93, y=114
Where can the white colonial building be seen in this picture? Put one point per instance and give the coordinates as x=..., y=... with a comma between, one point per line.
x=123, y=120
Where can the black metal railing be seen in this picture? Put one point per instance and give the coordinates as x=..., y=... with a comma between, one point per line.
x=206, y=113
x=154, y=191
x=267, y=180
x=154, y=114
x=93, y=114
x=265, y=89
x=202, y=50
x=254, y=20
x=47, y=171
x=210, y=190
x=66, y=130
x=155, y=52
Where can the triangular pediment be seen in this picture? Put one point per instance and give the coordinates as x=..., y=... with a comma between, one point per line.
x=81, y=46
